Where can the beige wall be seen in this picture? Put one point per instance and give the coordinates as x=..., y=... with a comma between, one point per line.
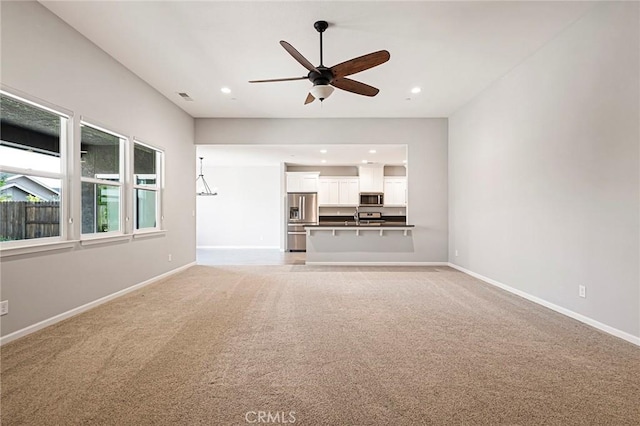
x=44, y=58
x=543, y=172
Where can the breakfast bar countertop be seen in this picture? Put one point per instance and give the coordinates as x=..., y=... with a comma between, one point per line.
x=351, y=223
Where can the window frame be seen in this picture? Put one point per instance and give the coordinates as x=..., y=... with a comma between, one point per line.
x=63, y=175
x=121, y=183
x=71, y=181
x=158, y=188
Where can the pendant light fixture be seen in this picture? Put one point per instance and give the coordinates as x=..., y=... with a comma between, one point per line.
x=205, y=187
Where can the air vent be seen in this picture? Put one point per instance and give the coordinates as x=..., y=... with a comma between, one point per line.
x=185, y=96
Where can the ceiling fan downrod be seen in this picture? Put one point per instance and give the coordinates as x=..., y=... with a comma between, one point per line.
x=320, y=26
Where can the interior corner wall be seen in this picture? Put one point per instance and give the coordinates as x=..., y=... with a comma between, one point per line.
x=45, y=58
x=544, y=172
x=246, y=211
x=426, y=141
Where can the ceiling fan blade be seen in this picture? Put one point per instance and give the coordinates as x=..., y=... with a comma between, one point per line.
x=279, y=79
x=309, y=99
x=360, y=63
x=298, y=56
x=354, y=87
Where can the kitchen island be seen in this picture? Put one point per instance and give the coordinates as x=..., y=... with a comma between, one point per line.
x=352, y=243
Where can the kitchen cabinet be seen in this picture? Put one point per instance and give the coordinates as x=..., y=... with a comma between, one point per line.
x=395, y=191
x=371, y=178
x=327, y=191
x=338, y=191
x=349, y=192
x=302, y=181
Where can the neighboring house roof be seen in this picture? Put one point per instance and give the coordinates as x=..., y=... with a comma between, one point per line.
x=21, y=177
x=31, y=186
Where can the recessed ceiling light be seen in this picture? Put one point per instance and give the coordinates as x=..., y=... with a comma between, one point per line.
x=323, y=151
x=372, y=151
x=416, y=90
x=364, y=161
x=225, y=90
x=404, y=161
x=323, y=161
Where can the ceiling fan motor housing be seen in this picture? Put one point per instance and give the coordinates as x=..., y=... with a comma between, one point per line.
x=324, y=77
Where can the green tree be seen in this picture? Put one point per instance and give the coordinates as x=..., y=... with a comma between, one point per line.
x=3, y=181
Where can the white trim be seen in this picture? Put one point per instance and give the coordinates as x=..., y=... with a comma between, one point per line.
x=379, y=263
x=91, y=123
x=240, y=247
x=36, y=248
x=102, y=182
x=19, y=171
x=75, y=311
x=147, y=145
x=149, y=234
x=582, y=318
x=34, y=101
x=100, y=239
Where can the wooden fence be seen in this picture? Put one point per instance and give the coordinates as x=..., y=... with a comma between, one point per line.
x=21, y=220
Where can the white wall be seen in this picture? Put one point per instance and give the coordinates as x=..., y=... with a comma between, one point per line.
x=45, y=58
x=246, y=211
x=426, y=141
x=544, y=172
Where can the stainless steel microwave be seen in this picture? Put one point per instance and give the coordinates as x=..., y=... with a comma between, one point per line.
x=371, y=199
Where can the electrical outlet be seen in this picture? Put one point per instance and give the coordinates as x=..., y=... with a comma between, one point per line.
x=456, y=252
x=170, y=258
x=582, y=291
x=4, y=307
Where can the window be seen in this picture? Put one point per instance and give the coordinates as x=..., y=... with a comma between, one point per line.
x=147, y=185
x=102, y=165
x=118, y=180
x=32, y=169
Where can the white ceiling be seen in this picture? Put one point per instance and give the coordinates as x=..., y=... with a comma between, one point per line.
x=452, y=50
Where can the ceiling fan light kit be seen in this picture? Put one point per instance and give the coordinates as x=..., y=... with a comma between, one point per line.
x=325, y=79
x=321, y=91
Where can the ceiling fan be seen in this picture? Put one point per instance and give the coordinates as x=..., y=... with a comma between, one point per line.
x=324, y=78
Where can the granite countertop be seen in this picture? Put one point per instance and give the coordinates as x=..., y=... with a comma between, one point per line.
x=352, y=223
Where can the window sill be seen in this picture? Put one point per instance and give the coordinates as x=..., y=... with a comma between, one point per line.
x=92, y=241
x=37, y=248
x=150, y=234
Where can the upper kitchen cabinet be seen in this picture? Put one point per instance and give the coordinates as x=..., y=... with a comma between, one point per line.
x=338, y=191
x=371, y=178
x=395, y=191
x=302, y=181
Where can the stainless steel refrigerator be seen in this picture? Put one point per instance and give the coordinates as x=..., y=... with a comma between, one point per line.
x=302, y=208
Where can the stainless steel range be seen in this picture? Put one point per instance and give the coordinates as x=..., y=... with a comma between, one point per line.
x=302, y=208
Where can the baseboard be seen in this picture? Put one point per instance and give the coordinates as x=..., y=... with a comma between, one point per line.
x=75, y=311
x=378, y=263
x=584, y=319
x=240, y=247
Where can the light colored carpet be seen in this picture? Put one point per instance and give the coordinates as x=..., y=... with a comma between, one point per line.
x=321, y=346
